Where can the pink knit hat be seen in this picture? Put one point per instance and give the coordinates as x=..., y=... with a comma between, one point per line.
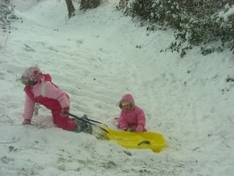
x=33, y=73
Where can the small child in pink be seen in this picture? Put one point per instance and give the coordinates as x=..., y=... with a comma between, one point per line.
x=40, y=89
x=132, y=118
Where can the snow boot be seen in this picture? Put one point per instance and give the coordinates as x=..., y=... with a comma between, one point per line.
x=82, y=126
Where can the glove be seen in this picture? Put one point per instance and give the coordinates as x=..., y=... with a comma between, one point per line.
x=65, y=110
x=139, y=128
x=26, y=122
x=124, y=128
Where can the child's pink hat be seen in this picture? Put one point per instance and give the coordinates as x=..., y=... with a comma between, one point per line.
x=33, y=73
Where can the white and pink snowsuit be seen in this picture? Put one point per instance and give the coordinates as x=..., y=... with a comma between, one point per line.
x=53, y=98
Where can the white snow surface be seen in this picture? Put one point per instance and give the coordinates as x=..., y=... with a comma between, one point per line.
x=96, y=57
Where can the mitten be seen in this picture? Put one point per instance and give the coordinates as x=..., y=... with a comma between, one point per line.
x=64, y=111
x=26, y=122
x=139, y=128
x=124, y=128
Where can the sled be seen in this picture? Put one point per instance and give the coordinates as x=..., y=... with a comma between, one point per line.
x=144, y=140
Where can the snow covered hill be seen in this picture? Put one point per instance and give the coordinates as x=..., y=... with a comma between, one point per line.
x=96, y=57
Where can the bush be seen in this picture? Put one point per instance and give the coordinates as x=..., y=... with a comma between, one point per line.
x=6, y=15
x=89, y=4
x=195, y=22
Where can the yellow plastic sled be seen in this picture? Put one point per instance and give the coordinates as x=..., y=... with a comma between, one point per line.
x=145, y=140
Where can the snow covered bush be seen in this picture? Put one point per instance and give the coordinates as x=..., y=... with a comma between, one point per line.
x=89, y=4
x=203, y=23
x=6, y=15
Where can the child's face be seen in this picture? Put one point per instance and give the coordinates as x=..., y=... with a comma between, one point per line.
x=25, y=81
x=127, y=107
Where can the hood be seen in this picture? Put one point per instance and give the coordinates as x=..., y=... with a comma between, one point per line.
x=128, y=98
x=33, y=74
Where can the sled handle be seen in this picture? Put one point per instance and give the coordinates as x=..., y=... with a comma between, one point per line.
x=90, y=121
x=143, y=142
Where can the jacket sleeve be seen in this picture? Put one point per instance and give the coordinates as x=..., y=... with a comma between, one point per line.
x=140, y=117
x=55, y=93
x=122, y=122
x=28, y=108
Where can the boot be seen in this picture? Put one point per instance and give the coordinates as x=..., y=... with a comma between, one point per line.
x=82, y=126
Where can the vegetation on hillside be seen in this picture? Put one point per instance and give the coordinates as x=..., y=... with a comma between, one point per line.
x=209, y=25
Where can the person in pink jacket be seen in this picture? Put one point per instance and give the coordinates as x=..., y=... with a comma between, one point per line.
x=39, y=89
x=132, y=118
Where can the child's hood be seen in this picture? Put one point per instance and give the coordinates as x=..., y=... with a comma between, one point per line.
x=129, y=98
x=47, y=77
x=33, y=74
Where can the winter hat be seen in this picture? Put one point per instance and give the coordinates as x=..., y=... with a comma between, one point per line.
x=33, y=74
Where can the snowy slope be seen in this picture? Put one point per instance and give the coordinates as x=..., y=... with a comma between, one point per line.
x=95, y=58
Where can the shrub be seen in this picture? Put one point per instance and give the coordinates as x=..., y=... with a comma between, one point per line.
x=6, y=15
x=195, y=22
x=89, y=4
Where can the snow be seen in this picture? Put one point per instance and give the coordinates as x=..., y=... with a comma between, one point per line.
x=227, y=14
x=96, y=57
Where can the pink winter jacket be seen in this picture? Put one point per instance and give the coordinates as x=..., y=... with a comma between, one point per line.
x=132, y=118
x=45, y=93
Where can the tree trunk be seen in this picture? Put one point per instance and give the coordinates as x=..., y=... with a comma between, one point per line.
x=70, y=8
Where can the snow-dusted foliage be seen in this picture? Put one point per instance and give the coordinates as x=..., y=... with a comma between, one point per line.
x=89, y=4
x=196, y=22
x=6, y=15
